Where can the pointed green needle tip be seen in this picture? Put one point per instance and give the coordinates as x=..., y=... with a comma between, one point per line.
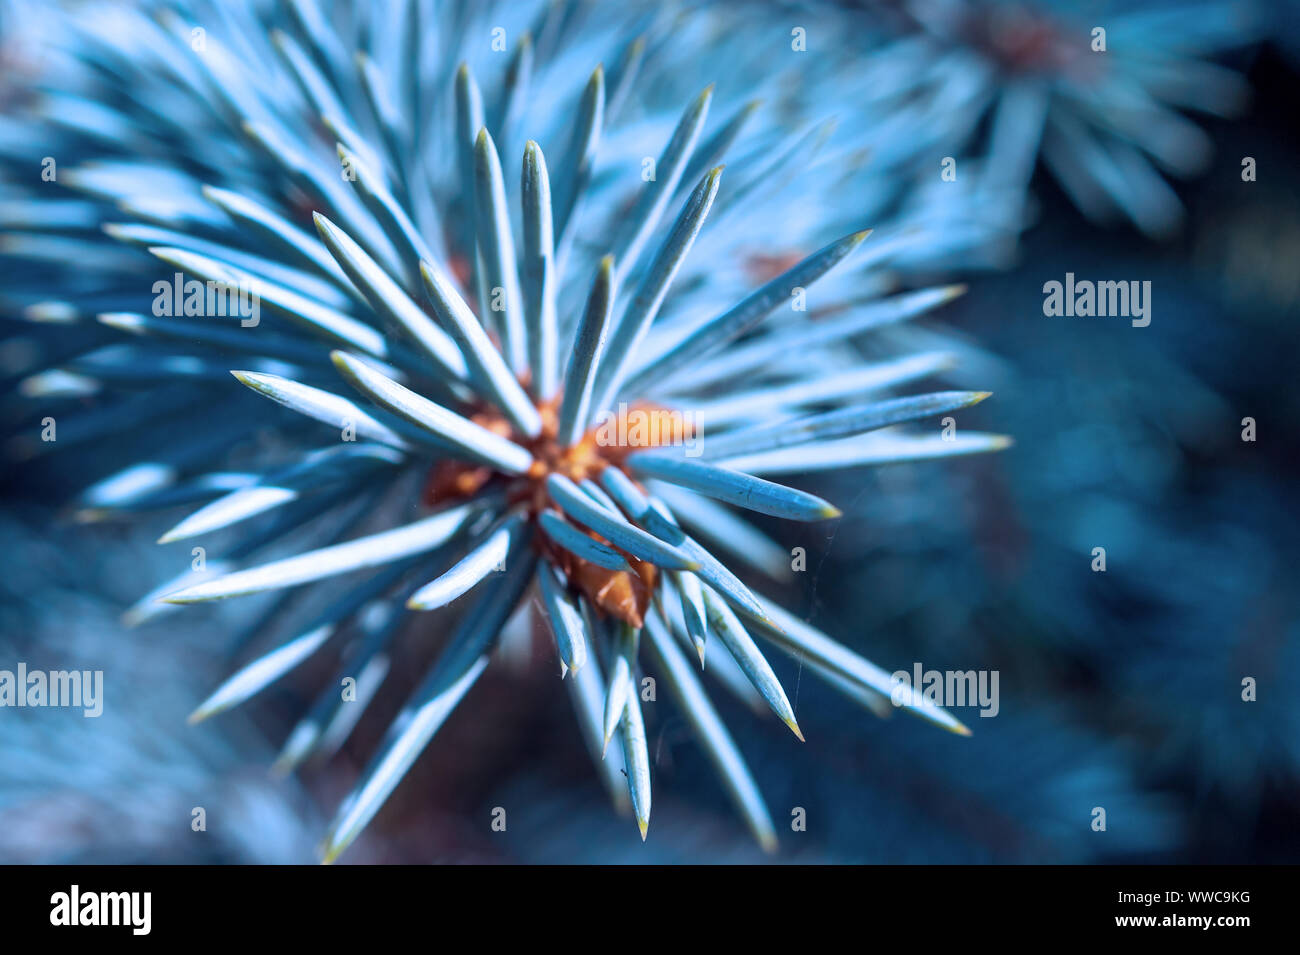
x=978, y=396
x=329, y=851
x=462, y=71
x=857, y=237
x=248, y=378
x=198, y=716
x=481, y=140
x=767, y=842
x=955, y=291
x=643, y=825
x=830, y=511
x=1002, y=441
x=794, y=727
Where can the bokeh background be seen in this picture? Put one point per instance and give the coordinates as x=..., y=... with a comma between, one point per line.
x=1120, y=690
